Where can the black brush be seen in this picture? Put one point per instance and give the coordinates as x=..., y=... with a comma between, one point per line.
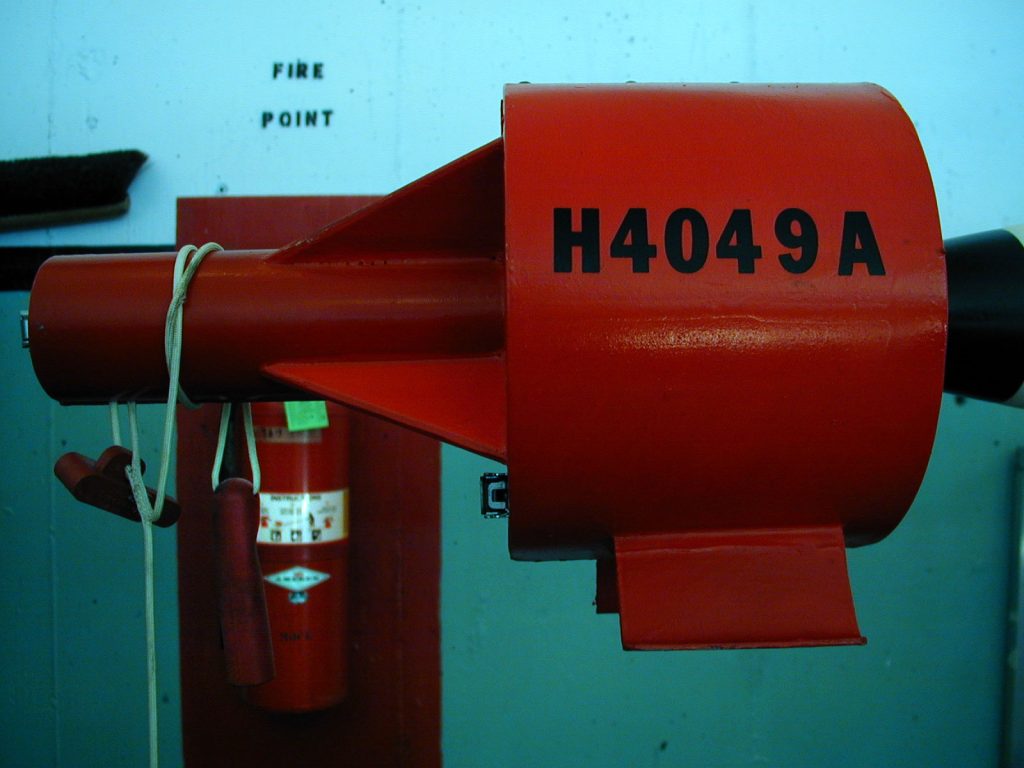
x=50, y=191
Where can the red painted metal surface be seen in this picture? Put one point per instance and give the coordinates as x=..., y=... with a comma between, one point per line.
x=391, y=716
x=103, y=484
x=718, y=432
x=309, y=627
x=388, y=286
x=249, y=312
x=244, y=628
x=703, y=325
x=736, y=589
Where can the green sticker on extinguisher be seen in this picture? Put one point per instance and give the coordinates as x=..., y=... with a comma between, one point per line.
x=305, y=414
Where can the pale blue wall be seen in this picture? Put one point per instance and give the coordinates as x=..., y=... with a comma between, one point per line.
x=73, y=685
x=531, y=675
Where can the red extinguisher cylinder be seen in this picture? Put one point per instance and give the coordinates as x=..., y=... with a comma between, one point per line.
x=303, y=550
x=243, y=610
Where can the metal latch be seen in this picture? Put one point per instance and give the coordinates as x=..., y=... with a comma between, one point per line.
x=494, y=494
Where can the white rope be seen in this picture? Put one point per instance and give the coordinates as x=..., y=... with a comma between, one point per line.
x=141, y=496
x=250, y=442
x=115, y=422
x=185, y=265
x=222, y=439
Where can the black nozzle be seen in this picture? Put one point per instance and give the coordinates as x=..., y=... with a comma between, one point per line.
x=985, y=350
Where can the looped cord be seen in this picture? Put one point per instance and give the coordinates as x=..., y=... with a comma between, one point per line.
x=185, y=265
x=184, y=270
x=250, y=442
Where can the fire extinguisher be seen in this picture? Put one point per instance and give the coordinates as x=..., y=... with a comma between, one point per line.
x=302, y=543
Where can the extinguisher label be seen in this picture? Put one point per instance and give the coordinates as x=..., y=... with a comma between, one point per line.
x=297, y=579
x=284, y=435
x=303, y=518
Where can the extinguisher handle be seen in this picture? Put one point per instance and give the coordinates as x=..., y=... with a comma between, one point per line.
x=245, y=627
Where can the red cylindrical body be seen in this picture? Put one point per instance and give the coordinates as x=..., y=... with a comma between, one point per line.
x=243, y=611
x=726, y=309
x=303, y=550
x=97, y=322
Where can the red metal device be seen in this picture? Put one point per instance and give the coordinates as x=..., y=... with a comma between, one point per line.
x=303, y=551
x=704, y=326
x=392, y=714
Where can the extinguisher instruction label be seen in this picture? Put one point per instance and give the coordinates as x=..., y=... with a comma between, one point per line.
x=303, y=518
